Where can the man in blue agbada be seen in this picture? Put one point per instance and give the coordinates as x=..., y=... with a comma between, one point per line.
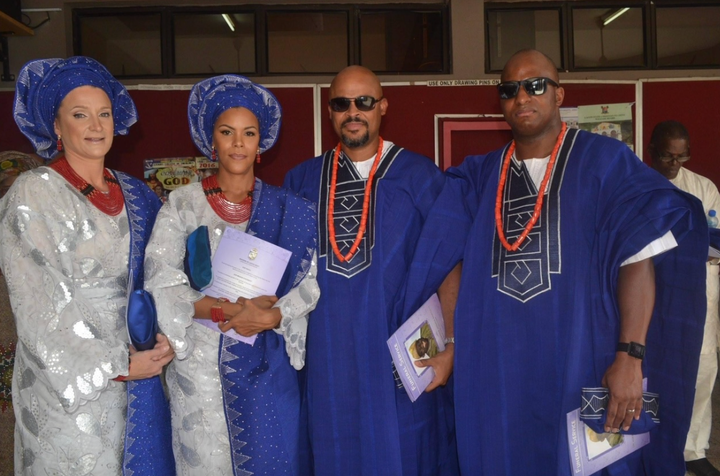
x=611, y=264
x=373, y=199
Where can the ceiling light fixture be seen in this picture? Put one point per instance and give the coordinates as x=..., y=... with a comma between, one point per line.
x=228, y=20
x=613, y=16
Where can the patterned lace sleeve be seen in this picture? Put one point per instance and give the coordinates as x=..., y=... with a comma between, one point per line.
x=54, y=257
x=295, y=307
x=166, y=280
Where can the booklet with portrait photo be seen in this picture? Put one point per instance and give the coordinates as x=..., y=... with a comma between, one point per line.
x=422, y=336
x=591, y=451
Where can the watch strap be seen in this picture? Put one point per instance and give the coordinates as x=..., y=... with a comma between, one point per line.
x=633, y=349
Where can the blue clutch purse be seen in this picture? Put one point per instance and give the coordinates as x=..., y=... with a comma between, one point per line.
x=593, y=414
x=198, y=259
x=142, y=320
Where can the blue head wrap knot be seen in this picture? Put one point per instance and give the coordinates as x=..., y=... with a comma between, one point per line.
x=43, y=84
x=211, y=97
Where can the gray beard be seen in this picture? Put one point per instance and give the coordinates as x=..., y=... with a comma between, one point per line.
x=356, y=143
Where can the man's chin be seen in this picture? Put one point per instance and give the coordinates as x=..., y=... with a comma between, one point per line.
x=352, y=143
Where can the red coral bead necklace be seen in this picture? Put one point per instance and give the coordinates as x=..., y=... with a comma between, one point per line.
x=366, y=204
x=538, y=203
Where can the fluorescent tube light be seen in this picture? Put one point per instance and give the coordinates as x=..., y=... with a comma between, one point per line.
x=229, y=21
x=615, y=15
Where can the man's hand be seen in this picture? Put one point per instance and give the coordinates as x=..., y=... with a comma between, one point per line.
x=624, y=382
x=442, y=364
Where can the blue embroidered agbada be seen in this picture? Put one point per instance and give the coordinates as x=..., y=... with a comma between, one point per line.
x=535, y=326
x=360, y=421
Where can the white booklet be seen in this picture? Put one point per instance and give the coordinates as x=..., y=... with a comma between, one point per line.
x=590, y=451
x=244, y=266
x=420, y=337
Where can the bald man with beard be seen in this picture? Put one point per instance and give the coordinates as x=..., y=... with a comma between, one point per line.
x=561, y=291
x=373, y=198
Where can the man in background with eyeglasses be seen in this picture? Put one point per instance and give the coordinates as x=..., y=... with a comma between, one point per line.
x=558, y=289
x=669, y=150
x=373, y=197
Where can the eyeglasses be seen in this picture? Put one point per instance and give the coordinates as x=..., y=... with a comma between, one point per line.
x=667, y=159
x=362, y=103
x=533, y=86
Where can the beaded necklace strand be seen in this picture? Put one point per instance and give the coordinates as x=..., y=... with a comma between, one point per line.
x=110, y=203
x=230, y=212
x=538, y=203
x=366, y=204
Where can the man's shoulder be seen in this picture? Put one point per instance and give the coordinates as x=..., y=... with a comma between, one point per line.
x=409, y=158
x=307, y=165
x=696, y=176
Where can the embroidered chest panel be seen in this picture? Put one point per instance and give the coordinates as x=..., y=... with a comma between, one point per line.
x=349, y=196
x=526, y=273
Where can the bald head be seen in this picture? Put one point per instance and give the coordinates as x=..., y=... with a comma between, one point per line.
x=357, y=124
x=359, y=75
x=530, y=58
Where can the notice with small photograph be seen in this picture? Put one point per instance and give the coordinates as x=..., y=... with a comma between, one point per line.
x=244, y=266
x=422, y=336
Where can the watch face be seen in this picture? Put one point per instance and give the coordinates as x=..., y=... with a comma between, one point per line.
x=636, y=350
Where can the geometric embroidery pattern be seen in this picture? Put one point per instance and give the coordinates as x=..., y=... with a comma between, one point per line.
x=525, y=273
x=349, y=197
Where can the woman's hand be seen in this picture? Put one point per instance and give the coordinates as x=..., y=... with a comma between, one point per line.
x=149, y=363
x=256, y=315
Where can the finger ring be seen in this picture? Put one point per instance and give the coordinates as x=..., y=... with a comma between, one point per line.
x=632, y=410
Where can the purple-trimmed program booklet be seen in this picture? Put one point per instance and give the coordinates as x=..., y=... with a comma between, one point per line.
x=422, y=336
x=244, y=266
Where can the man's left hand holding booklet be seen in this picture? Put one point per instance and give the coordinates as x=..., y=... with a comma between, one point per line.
x=420, y=337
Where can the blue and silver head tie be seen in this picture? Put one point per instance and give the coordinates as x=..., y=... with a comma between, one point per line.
x=211, y=97
x=43, y=84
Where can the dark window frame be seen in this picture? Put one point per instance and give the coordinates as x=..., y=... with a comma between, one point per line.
x=561, y=7
x=649, y=8
x=167, y=36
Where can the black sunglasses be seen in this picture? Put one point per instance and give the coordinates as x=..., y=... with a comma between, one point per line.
x=362, y=103
x=533, y=86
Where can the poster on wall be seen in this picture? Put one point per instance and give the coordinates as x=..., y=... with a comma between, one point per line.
x=165, y=175
x=569, y=115
x=611, y=120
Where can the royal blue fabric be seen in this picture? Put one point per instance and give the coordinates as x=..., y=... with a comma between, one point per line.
x=198, y=259
x=520, y=366
x=148, y=434
x=143, y=325
x=43, y=84
x=211, y=97
x=260, y=387
x=360, y=421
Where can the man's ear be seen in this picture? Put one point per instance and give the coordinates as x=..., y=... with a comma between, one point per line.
x=559, y=96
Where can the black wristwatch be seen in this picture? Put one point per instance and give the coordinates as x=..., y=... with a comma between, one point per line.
x=633, y=349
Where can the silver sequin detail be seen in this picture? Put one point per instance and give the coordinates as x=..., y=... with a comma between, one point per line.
x=186, y=385
x=192, y=421
x=83, y=330
x=190, y=456
x=29, y=421
x=68, y=396
x=83, y=384
x=88, y=424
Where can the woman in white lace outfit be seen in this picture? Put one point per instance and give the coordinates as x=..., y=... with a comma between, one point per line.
x=235, y=407
x=65, y=247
